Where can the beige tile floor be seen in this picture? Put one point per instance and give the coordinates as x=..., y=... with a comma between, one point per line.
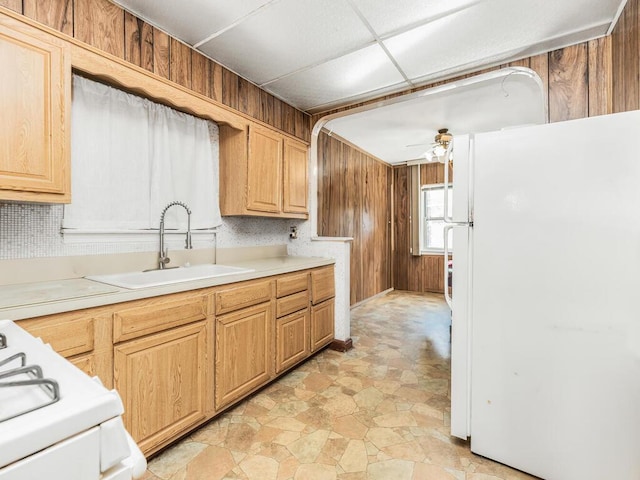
x=377, y=412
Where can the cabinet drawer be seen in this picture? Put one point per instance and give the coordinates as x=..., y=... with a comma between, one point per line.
x=68, y=336
x=292, y=303
x=86, y=363
x=243, y=296
x=292, y=284
x=322, y=284
x=150, y=316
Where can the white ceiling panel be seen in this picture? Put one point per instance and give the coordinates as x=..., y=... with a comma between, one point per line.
x=288, y=36
x=354, y=74
x=470, y=37
x=393, y=17
x=404, y=130
x=192, y=20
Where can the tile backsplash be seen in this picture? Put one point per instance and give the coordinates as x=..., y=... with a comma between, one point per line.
x=33, y=230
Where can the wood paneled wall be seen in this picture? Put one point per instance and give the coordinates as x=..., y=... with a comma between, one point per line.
x=423, y=273
x=354, y=200
x=626, y=59
x=108, y=27
x=577, y=82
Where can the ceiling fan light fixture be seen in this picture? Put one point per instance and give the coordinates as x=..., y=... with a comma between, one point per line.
x=439, y=150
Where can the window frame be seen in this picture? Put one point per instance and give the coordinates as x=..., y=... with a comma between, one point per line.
x=423, y=218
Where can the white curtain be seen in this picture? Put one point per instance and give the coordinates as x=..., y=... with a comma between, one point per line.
x=130, y=157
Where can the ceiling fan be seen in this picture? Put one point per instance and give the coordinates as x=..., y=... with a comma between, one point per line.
x=440, y=149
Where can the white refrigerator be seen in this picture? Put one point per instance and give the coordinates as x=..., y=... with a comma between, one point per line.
x=546, y=297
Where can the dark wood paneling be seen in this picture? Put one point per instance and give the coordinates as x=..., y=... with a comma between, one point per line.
x=625, y=62
x=277, y=113
x=216, y=87
x=138, y=42
x=351, y=220
x=569, y=85
x=15, y=5
x=617, y=60
x=564, y=74
x=339, y=201
x=301, y=124
x=100, y=23
x=540, y=65
x=249, y=98
x=354, y=201
x=524, y=62
x=600, y=79
x=288, y=119
x=133, y=39
x=58, y=15
x=229, y=88
x=201, y=74
x=266, y=107
x=401, y=253
x=160, y=53
x=432, y=273
x=372, y=235
x=631, y=61
x=424, y=273
x=180, y=63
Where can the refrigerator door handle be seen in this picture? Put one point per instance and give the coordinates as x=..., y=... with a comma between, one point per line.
x=447, y=218
x=448, y=227
x=447, y=296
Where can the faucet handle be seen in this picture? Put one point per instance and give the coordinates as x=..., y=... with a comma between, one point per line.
x=163, y=260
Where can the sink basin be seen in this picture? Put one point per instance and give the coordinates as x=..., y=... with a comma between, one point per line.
x=154, y=278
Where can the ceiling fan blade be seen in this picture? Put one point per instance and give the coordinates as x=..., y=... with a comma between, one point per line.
x=418, y=144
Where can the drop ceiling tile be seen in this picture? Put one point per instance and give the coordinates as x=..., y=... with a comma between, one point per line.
x=391, y=17
x=470, y=38
x=360, y=72
x=192, y=20
x=287, y=36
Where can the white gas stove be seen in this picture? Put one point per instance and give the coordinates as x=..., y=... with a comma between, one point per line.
x=55, y=421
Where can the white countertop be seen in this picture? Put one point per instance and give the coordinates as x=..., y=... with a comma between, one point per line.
x=29, y=300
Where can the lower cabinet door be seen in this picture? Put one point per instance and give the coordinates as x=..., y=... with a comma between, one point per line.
x=161, y=379
x=322, y=324
x=243, y=352
x=292, y=339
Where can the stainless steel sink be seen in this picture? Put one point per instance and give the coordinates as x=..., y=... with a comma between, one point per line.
x=154, y=278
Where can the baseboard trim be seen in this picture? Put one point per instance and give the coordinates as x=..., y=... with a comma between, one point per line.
x=362, y=302
x=341, y=345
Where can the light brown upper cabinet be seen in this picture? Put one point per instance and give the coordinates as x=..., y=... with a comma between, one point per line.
x=262, y=173
x=264, y=170
x=35, y=101
x=296, y=177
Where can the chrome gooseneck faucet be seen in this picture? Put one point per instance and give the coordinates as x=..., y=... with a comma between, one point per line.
x=163, y=258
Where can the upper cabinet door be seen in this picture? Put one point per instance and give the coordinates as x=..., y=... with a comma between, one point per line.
x=264, y=170
x=295, y=177
x=35, y=101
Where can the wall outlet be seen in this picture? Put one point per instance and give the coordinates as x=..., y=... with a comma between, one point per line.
x=293, y=232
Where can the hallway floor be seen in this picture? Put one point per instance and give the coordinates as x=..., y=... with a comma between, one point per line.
x=377, y=412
